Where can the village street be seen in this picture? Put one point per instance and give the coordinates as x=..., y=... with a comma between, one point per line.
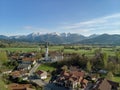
x=35, y=79
x=52, y=86
x=34, y=68
x=38, y=81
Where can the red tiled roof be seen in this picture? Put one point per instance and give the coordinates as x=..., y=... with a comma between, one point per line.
x=17, y=73
x=15, y=86
x=106, y=82
x=39, y=72
x=77, y=73
x=72, y=75
x=28, y=59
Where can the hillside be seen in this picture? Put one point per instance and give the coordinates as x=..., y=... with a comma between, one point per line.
x=103, y=39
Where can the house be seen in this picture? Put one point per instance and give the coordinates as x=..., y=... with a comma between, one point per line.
x=72, y=79
x=24, y=66
x=16, y=74
x=29, y=60
x=104, y=84
x=41, y=74
x=7, y=72
x=15, y=86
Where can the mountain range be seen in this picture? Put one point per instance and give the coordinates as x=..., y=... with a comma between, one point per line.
x=65, y=38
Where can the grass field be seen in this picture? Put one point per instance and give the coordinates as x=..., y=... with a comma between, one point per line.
x=109, y=51
x=20, y=49
x=46, y=67
x=116, y=79
x=2, y=85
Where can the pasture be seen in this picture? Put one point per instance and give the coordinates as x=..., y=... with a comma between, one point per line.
x=80, y=49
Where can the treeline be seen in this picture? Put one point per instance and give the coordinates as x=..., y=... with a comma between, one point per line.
x=100, y=60
x=10, y=44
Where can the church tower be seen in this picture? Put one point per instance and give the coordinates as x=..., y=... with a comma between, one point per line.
x=46, y=53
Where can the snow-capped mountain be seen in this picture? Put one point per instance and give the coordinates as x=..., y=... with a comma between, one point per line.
x=48, y=37
x=65, y=38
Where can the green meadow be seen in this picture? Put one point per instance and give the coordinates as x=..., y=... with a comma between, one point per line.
x=108, y=50
x=46, y=67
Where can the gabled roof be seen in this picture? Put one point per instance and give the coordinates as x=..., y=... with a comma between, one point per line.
x=77, y=73
x=15, y=86
x=104, y=84
x=17, y=73
x=72, y=75
x=39, y=72
x=113, y=83
x=28, y=59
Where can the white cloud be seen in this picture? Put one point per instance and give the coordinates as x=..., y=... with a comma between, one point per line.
x=107, y=24
x=35, y=29
x=98, y=25
x=28, y=27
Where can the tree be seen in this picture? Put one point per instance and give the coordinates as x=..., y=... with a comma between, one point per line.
x=89, y=65
x=105, y=59
x=3, y=56
x=65, y=68
x=110, y=76
x=117, y=69
x=111, y=66
x=118, y=56
x=38, y=55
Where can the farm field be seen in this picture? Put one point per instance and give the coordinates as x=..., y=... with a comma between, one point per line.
x=109, y=51
x=20, y=49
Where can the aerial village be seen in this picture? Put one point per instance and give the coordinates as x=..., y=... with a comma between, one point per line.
x=27, y=75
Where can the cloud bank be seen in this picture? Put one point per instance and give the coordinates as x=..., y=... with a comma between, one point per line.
x=107, y=24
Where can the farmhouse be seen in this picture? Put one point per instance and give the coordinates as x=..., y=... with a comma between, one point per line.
x=16, y=74
x=104, y=84
x=41, y=74
x=15, y=86
x=72, y=79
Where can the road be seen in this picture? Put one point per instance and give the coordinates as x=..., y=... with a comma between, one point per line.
x=35, y=79
x=52, y=86
x=39, y=82
x=34, y=69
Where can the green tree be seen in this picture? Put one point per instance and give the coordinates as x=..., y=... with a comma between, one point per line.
x=65, y=68
x=110, y=76
x=118, y=56
x=111, y=66
x=117, y=69
x=38, y=55
x=3, y=56
x=105, y=59
x=89, y=65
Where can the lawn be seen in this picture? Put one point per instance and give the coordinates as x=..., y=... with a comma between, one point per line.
x=2, y=85
x=46, y=67
x=116, y=79
x=109, y=51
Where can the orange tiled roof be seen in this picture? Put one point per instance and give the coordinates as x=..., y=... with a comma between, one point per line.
x=15, y=86
x=15, y=73
x=28, y=59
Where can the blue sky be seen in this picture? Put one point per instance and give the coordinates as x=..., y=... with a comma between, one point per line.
x=86, y=17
